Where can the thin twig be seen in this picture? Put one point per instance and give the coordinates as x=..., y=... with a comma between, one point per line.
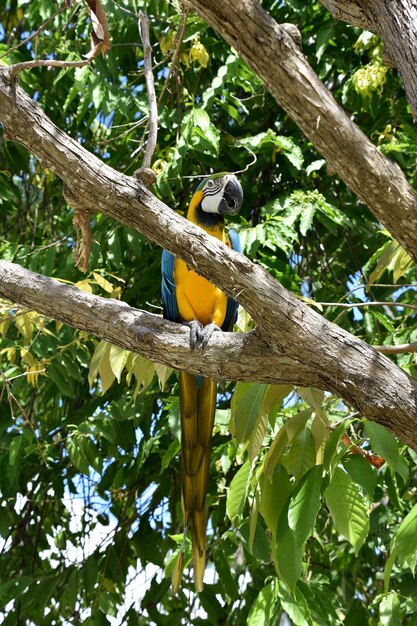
x=352, y=305
x=25, y=65
x=119, y=7
x=177, y=49
x=11, y=398
x=401, y=348
x=65, y=5
x=143, y=25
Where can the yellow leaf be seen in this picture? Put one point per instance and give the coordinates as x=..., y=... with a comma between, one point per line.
x=116, y=293
x=163, y=372
x=107, y=376
x=198, y=53
x=27, y=357
x=84, y=285
x=4, y=326
x=104, y=284
x=24, y=325
x=117, y=358
x=144, y=372
x=99, y=353
x=165, y=43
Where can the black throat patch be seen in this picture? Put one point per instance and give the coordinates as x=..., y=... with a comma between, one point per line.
x=208, y=220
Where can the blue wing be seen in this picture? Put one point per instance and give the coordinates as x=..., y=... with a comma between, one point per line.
x=232, y=305
x=169, y=298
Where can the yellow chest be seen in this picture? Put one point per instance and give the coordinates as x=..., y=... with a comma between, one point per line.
x=197, y=298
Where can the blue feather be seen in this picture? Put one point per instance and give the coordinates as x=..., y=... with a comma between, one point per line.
x=169, y=298
x=232, y=305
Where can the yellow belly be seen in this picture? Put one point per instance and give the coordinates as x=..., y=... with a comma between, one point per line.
x=197, y=298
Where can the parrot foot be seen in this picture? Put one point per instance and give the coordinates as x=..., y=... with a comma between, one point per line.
x=199, y=334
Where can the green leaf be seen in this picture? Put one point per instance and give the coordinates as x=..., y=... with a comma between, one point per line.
x=306, y=219
x=174, y=448
x=296, y=424
x=383, y=443
x=357, y=614
x=275, y=452
x=305, y=504
x=289, y=553
x=361, y=472
x=236, y=496
x=388, y=569
x=274, y=496
x=295, y=605
x=263, y=608
x=390, y=610
x=245, y=408
x=258, y=435
x=333, y=442
x=347, y=508
x=253, y=520
x=404, y=540
x=302, y=454
x=228, y=580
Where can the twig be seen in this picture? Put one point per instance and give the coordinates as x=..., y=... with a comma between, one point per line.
x=143, y=25
x=177, y=49
x=65, y=5
x=401, y=348
x=25, y=65
x=119, y=7
x=11, y=398
x=352, y=305
x=145, y=174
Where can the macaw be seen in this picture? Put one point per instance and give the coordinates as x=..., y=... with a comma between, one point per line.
x=190, y=299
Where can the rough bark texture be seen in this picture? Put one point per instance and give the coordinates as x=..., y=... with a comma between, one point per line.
x=271, y=53
x=293, y=341
x=330, y=358
x=395, y=21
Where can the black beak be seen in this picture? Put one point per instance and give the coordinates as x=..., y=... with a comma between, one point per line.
x=232, y=199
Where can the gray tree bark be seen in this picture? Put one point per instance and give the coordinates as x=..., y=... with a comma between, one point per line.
x=301, y=347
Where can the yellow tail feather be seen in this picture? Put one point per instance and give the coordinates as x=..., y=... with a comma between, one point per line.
x=197, y=407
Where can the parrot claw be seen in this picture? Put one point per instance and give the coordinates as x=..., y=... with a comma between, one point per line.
x=195, y=333
x=199, y=334
x=207, y=332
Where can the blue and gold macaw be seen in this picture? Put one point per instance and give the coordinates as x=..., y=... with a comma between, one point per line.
x=191, y=299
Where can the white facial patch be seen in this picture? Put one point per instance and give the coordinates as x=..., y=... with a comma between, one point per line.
x=210, y=204
x=213, y=193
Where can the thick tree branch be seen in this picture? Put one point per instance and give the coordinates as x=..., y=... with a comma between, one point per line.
x=273, y=55
x=372, y=383
x=336, y=360
x=395, y=21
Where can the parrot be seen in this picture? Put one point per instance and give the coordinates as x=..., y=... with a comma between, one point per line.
x=190, y=299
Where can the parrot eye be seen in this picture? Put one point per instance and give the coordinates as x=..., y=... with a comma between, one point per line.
x=210, y=184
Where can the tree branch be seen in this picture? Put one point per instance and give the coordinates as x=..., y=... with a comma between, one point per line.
x=143, y=26
x=272, y=54
x=395, y=21
x=328, y=356
x=373, y=384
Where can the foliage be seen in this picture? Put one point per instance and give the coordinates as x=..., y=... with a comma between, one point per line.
x=89, y=433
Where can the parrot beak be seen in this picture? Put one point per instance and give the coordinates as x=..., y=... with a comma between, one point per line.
x=232, y=199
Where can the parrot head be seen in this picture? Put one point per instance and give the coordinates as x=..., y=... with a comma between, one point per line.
x=221, y=193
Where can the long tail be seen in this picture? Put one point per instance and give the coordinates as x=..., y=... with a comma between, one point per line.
x=197, y=407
